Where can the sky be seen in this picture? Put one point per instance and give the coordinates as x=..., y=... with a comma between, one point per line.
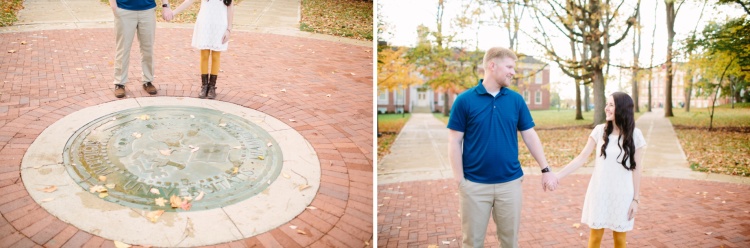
x=403, y=17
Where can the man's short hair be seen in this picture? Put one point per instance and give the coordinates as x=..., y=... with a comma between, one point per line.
x=498, y=53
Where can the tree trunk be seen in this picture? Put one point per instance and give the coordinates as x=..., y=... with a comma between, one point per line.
x=579, y=114
x=671, y=13
x=446, y=110
x=599, y=99
x=636, y=55
x=586, y=99
x=650, y=73
x=688, y=92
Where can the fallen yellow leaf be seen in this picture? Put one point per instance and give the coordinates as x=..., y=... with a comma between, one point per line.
x=301, y=232
x=304, y=186
x=102, y=178
x=160, y=201
x=102, y=195
x=153, y=216
x=261, y=157
x=285, y=175
x=119, y=244
x=577, y=225
x=175, y=201
x=49, y=189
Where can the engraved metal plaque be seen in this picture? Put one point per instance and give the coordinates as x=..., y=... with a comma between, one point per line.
x=176, y=151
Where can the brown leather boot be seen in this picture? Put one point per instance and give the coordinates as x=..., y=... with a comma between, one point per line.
x=204, y=86
x=211, y=94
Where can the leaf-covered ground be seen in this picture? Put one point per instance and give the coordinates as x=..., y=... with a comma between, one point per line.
x=389, y=125
x=345, y=18
x=9, y=11
x=726, y=149
x=187, y=16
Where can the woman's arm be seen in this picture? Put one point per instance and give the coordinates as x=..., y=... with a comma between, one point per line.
x=182, y=7
x=636, y=183
x=579, y=160
x=230, y=15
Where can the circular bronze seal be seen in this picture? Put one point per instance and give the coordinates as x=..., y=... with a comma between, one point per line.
x=173, y=158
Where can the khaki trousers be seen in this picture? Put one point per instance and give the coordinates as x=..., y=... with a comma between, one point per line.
x=502, y=200
x=128, y=23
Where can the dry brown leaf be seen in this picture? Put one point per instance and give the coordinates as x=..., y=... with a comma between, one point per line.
x=285, y=175
x=433, y=246
x=283, y=90
x=166, y=152
x=304, y=186
x=102, y=178
x=160, y=201
x=119, y=244
x=293, y=227
x=261, y=157
x=577, y=225
x=153, y=216
x=154, y=191
x=11, y=51
x=200, y=196
x=301, y=232
x=709, y=233
x=144, y=117
x=186, y=205
x=137, y=135
x=23, y=42
x=292, y=120
x=110, y=185
x=222, y=124
x=311, y=208
x=102, y=195
x=97, y=188
x=49, y=189
x=269, y=144
x=175, y=201
x=195, y=149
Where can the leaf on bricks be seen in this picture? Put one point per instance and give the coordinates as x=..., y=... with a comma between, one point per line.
x=311, y=207
x=577, y=225
x=283, y=90
x=23, y=42
x=709, y=233
x=11, y=51
x=433, y=246
x=301, y=232
x=445, y=242
x=293, y=227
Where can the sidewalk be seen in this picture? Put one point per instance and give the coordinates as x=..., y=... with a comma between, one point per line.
x=62, y=61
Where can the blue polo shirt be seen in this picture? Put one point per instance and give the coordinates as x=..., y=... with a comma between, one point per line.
x=136, y=4
x=490, y=125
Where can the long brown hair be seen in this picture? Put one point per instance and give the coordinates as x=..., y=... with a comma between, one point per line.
x=626, y=122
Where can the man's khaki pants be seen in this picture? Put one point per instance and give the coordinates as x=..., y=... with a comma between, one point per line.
x=128, y=23
x=478, y=200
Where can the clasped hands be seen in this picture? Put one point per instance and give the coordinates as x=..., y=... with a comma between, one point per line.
x=167, y=14
x=549, y=181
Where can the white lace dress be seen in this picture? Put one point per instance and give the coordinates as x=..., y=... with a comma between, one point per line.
x=210, y=26
x=610, y=190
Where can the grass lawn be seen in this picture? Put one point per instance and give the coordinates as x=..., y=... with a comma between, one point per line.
x=345, y=18
x=725, y=149
x=389, y=125
x=9, y=11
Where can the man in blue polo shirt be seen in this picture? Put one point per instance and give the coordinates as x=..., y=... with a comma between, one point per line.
x=483, y=147
x=135, y=17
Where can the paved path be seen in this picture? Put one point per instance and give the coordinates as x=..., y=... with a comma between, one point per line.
x=57, y=70
x=418, y=203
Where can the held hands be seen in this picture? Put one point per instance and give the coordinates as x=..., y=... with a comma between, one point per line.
x=549, y=181
x=167, y=14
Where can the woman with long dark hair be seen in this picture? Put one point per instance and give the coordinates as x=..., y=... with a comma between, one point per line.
x=613, y=195
x=211, y=35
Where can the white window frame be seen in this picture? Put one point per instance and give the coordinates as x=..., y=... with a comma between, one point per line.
x=526, y=96
x=383, y=98
x=400, y=97
x=539, y=77
x=538, y=97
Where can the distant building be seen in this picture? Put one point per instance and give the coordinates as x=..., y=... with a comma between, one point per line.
x=422, y=98
x=658, y=90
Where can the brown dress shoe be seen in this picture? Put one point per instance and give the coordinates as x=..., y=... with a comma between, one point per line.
x=150, y=88
x=119, y=90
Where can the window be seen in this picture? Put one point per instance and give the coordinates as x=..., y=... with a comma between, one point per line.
x=539, y=77
x=526, y=96
x=538, y=97
x=383, y=97
x=400, y=97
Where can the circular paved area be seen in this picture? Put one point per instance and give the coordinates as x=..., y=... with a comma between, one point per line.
x=323, y=90
x=674, y=213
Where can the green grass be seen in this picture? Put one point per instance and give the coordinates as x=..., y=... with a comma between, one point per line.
x=389, y=125
x=344, y=18
x=9, y=11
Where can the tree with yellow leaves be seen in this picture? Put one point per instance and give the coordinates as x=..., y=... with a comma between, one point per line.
x=394, y=70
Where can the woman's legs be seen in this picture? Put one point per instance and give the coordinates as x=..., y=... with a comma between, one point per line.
x=215, y=56
x=595, y=239
x=204, y=73
x=619, y=239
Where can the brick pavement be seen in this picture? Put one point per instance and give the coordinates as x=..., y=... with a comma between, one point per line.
x=61, y=71
x=674, y=213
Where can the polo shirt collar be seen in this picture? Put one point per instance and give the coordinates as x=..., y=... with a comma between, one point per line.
x=481, y=90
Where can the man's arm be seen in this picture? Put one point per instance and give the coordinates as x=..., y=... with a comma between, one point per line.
x=166, y=12
x=531, y=139
x=455, y=151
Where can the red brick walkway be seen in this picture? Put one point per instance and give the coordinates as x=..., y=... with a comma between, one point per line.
x=674, y=213
x=59, y=72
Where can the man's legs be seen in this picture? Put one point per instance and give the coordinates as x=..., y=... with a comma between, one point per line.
x=125, y=25
x=146, y=36
x=476, y=204
x=507, y=211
